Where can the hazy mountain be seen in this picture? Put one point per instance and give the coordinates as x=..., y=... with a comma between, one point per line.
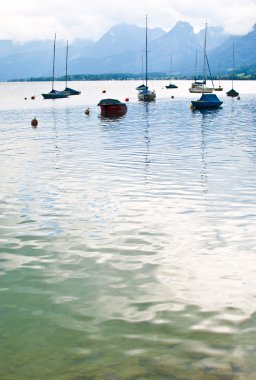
x=244, y=48
x=121, y=49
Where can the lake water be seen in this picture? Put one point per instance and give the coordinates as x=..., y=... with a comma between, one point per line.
x=128, y=246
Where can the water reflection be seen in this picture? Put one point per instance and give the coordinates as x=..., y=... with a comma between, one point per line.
x=147, y=141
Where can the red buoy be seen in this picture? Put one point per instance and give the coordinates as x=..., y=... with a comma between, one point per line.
x=127, y=99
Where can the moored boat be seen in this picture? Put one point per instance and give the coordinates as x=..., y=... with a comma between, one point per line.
x=220, y=88
x=233, y=93
x=112, y=107
x=68, y=90
x=171, y=85
x=200, y=87
x=207, y=101
x=54, y=94
x=145, y=94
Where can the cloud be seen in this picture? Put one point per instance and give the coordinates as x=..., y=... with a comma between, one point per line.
x=39, y=19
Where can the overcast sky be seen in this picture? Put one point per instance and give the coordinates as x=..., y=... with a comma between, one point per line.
x=24, y=20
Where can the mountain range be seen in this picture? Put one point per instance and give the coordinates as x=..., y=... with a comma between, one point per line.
x=122, y=49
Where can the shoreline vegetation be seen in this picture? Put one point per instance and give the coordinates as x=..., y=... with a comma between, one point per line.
x=131, y=76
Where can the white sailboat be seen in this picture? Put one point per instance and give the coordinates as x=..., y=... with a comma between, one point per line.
x=145, y=94
x=200, y=86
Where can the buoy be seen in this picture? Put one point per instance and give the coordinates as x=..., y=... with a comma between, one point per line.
x=104, y=91
x=34, y=122
x=87, y=111
x=172, y=97
x=25, y=98
x=33, y=97
x=238, y=98
x=127, y=99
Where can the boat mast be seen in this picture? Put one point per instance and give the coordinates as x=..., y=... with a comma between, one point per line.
x=233, y=65
x=67, y=66
x=146, y=77
x=196, y=67
x=204, y=69
x=171, y=69
x=53, y=62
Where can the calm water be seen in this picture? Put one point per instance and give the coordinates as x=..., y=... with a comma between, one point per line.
x=128, y=246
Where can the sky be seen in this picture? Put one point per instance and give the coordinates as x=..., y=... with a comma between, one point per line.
x=25, y=20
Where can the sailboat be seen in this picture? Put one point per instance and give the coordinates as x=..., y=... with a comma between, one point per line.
x=68, y=90
x=233, y=93
x=171, y=85
x=207, y=100
x=145, y=94
x=54, y=94
x=199, y=86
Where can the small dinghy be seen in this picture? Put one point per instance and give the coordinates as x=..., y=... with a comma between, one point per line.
x=112, y=107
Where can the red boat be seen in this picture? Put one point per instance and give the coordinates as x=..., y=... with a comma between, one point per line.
x=112, y=107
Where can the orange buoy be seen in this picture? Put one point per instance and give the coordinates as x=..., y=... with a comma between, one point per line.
x=34, y=122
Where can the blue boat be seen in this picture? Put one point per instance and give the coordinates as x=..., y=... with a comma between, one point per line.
x=54, y=94
x=207, y=101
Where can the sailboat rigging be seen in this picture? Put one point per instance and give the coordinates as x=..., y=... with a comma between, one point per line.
x=54, y=94
x=171, y=85
x=200, y=86
x=68, y=90
x=233, y=93
x=145, y=94
x=207, y=100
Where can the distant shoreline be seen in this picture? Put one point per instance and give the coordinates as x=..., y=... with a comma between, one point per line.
x=129, y=76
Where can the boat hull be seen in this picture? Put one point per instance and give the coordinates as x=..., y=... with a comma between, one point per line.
x=113, y=110
x=171, y=86
x=206, y=101
x=54, y=95
x=233, y=93
x=202, y=104
x=147, y=97
x=71, y=91
x=200, y=90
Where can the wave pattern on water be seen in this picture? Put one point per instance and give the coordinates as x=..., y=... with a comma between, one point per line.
x=128, y=245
